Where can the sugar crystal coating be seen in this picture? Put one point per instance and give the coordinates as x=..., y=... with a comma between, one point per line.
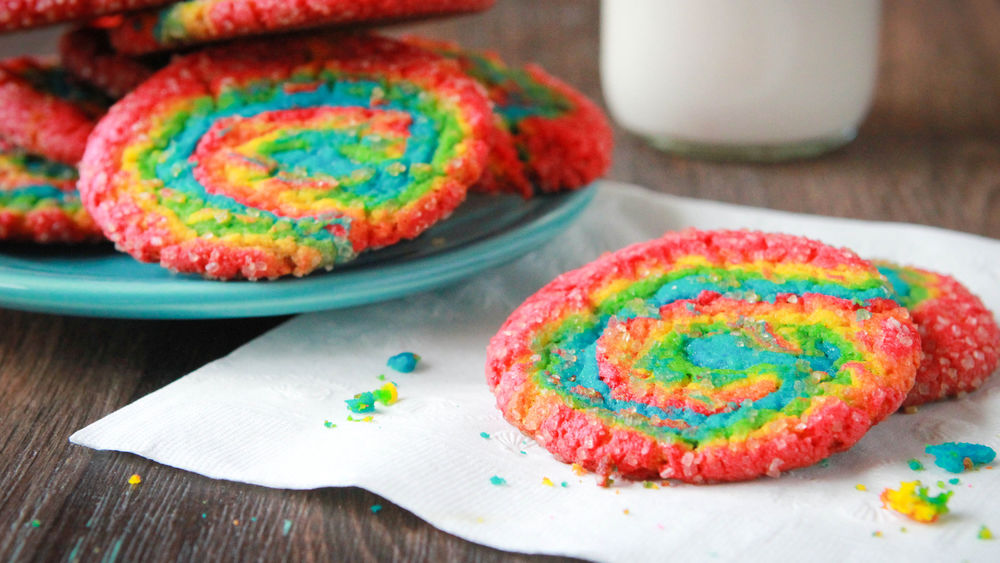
x=959, y=336
x=39, y=202
x=268, y=158
x=22, y=14
x=705, y=356
x=197, y=21
x=551, y=136
x=46, y=112
x=87, y=55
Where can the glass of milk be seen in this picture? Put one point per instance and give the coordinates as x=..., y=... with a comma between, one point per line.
x=740, y=79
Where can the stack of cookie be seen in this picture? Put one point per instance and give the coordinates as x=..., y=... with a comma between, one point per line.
x=235, y=140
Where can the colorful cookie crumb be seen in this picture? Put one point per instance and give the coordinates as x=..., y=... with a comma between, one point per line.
x=270, y=158
x=387, y=394
x=497, y=481
x=404, y=362
x=364, y=402
x=135, y=479
x=199, y=21
x=86, y=54
x=705, y=356
x=960, y=338
x=44, y=111
x=562, y=139
x=985, y=533
x=915, y=464
x=913, y=500
x=956, y=457
x=23, y=14
x=39, y=202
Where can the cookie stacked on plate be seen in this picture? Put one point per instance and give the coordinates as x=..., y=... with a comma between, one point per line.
x=253, y=139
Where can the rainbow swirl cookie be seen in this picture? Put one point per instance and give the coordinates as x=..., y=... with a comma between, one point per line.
x=269, y=158
x=705, y=356
x=561, y=140
x=22, y=14
x=39, y=201
x=86, y=54
x=198, y=21
x=45, y=111
x=958, y=334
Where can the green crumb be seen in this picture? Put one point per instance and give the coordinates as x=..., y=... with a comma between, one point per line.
x=286, y=528
x=253, y=518
x=954, y=480
x=903, y=529
x=915, y=464
x=362, y=402
x=381, y=377
x=375, y=508
x=985, y=533
x=204, y=515
x=386, y=394
x=877, y=534
x=497, y=480
x=825, y=462
x=564, y=484
x=485, y=435
x=329, y=424
x=942, y=485
x=36, y=523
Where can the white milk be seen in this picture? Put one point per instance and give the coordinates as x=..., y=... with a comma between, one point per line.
x=740, y=78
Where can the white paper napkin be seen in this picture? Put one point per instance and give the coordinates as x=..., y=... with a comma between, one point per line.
x=258, y=415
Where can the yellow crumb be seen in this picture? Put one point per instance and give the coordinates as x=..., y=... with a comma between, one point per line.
x=547, y=482
x=860, y=487
x=135, y=479
x=578, y=469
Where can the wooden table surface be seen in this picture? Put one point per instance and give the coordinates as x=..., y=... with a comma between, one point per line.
x=929, y=153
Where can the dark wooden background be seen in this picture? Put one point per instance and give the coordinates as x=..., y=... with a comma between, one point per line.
x=929, y=153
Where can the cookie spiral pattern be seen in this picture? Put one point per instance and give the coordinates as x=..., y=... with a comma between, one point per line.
x=280, y=157
x=39, y=202
x=705, y=356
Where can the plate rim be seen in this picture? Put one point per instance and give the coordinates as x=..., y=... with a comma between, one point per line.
x=211, y=299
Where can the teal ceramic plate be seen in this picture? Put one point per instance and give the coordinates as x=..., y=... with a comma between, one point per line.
x=485, y=231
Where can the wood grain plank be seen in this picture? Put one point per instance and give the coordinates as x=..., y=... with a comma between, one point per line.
x=928, y=153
